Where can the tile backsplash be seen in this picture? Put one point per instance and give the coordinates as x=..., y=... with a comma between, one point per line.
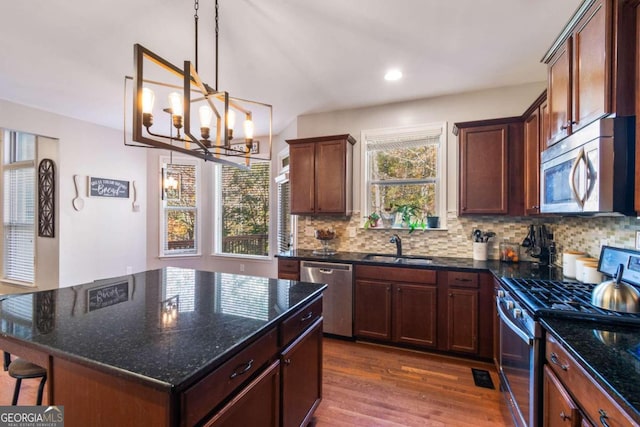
x=570, y=233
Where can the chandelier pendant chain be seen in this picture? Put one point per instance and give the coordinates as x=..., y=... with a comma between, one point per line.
x=196, y=6
x=217, y=32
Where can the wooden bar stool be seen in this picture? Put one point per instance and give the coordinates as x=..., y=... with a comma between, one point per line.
x=21, y=369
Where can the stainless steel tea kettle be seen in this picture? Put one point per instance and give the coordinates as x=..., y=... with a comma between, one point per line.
x=616, y=295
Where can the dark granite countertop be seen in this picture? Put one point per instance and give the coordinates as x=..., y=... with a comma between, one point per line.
x=522, y=269
x=122, y=329
x=610, y=354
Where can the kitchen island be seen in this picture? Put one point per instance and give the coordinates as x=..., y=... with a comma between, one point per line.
x=167, y=347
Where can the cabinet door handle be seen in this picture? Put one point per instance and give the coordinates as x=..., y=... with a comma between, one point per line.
x=603, y=417
x=462, y=280
x=564, y=417
x=241, y=369
x=307, y=317
x=556, y=361
x=451, y=295
x=287, y=362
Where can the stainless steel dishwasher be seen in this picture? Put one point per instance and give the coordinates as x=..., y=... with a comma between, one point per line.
x=337, y=307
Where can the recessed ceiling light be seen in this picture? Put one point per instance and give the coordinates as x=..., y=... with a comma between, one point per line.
x=393, y=75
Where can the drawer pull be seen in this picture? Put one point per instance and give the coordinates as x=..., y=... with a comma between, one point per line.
x=603, y=417
x=462, y=280
x=564, y=417
x=241, y=369
x=307, y=317
x=555, y=361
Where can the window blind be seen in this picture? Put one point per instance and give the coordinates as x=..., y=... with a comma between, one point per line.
x=19, y=222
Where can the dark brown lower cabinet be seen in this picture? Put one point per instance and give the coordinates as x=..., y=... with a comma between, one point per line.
x=301, y=377
x=414, y=314
x=396, y=312
x=373, y=309
x=462, y=322
x=559, y=409
x=257, y=404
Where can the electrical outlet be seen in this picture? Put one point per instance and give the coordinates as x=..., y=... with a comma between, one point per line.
x=241, y=268
x=309, y=231
x=129, y=269
x=351, y=231
x=638, y=240
x=604, y=242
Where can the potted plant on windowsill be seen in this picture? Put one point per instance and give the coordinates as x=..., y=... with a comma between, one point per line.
x=372, y=220
x=432, y=221
x=411, y=217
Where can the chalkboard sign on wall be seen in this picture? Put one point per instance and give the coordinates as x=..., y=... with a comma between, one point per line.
x=107, y=187
x=108, y=295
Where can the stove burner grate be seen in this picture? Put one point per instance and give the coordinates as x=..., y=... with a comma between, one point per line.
x=564, y=299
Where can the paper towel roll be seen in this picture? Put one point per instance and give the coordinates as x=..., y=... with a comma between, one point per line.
x=580, y=263
x=569, y=263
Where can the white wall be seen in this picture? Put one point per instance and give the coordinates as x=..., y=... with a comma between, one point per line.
x=487, y=104
x=105, y=237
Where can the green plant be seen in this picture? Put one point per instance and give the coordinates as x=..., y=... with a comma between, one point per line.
x=372, y=220
x=410, y=216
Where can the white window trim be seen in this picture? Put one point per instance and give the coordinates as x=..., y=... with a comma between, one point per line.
x=283, y=176
x=216, y=230
x=165, y=160
x=441, y=178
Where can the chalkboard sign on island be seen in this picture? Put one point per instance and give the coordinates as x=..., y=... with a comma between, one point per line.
x=108, y=187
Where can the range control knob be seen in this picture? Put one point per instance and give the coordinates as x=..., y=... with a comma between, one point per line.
x=500, y=293
x=510, y=305
x=517, y=313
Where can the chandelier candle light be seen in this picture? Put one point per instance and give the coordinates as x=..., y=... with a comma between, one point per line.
x=188, y=96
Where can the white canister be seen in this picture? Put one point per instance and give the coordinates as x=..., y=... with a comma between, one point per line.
x=590, y=273
x=480, y=251
x=580, y=263
x=569, y=263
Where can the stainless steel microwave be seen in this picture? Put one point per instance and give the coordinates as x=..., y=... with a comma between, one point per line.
x=591, y=171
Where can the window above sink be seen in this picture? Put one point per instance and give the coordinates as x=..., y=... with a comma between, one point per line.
x=404, y=167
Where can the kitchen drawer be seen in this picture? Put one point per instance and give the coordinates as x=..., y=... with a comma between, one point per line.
x=288, y=269
x=462, y=279
x=199, y=399
x=396, y=274
x=299, y=321
x=590, y=396
x=558, y=407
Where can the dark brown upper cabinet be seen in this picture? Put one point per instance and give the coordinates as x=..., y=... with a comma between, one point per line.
x=320, y=175
x=535, y=119
x=490, y=160
x=590, y=67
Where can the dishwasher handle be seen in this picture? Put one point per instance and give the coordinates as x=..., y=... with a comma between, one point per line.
x=325, y=266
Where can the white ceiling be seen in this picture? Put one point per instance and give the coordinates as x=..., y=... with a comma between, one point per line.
x=301, y=56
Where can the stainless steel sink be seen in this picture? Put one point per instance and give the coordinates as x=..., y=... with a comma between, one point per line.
x=393, y=259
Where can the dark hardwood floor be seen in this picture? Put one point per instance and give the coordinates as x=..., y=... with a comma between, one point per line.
x=371, y=385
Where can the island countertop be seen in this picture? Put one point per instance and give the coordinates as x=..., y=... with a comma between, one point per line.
x=165, y=327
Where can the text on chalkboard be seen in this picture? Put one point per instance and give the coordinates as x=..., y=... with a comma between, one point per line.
x=107, y=187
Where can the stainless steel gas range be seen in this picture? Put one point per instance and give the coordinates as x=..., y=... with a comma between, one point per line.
x=521, y=303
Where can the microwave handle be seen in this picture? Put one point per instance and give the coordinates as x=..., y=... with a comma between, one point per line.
x=572, y=177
